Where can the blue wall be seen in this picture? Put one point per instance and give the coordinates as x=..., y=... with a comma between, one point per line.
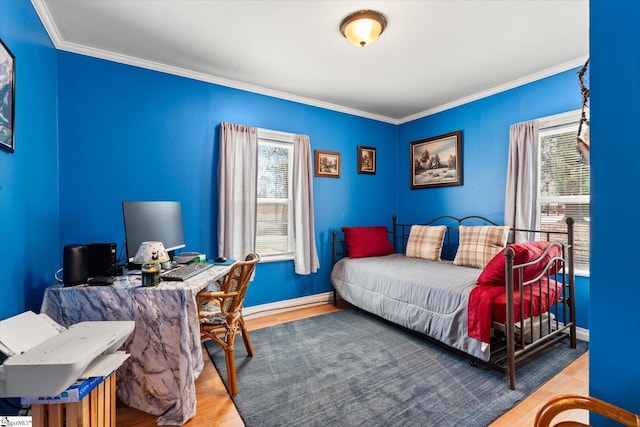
x=29, y=220
x=140, y=122
x=132, y=134
x=485, y=146
x=614, y=373
x=127, y=133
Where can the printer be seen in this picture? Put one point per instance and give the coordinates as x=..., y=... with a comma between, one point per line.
x=41, y=357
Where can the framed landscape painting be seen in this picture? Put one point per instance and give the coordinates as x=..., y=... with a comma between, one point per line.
x=7, y=97
x=327, y=163
x=436, y=161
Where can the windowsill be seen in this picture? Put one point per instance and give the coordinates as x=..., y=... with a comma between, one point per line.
x=582, y=273
x=276, y=258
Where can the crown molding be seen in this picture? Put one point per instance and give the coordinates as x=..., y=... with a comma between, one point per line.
x=60, y=44
x=578, y=62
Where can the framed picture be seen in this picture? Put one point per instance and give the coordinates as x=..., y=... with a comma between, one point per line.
x=327, y=163
x=437, y=161
x=7, y=97
x=366, y=160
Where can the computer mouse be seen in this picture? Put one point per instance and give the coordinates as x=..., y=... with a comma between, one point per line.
x=220, y=259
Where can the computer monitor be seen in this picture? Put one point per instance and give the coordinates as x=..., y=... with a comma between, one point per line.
x=152, y=221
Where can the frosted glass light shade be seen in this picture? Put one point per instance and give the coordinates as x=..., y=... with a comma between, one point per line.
x=363, y=27
x=151, y=251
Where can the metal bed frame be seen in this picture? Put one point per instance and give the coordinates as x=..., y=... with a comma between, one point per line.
x=509, y=348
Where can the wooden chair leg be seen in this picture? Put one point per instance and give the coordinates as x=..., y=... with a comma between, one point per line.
x=231, y=372
x=245, y=338
x=231, y=364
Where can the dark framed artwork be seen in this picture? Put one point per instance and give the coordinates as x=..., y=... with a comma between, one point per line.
x=327, y=163
x=7, y=97
x=436, y=161
x=366, y=159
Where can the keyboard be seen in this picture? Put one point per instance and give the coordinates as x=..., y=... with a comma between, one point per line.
x=185, y=272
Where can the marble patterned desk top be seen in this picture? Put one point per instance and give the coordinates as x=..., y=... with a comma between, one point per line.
x=166, y=354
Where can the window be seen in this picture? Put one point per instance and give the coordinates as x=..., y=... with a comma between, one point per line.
x=564, y=187
x=274, y=228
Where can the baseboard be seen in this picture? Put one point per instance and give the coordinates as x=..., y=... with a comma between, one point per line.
x=287, y=305
x=582, y=334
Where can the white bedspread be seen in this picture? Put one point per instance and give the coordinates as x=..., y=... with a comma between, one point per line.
x=429, y=297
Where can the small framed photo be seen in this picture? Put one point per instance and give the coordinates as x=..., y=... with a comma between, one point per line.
x=366, y=160
x=7, y=97
x=327, y=163
x=437, y=161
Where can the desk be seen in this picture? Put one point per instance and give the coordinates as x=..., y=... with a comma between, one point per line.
x=166, y=354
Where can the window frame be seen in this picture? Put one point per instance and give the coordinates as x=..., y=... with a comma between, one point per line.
x=545, y=127
x=281, y=139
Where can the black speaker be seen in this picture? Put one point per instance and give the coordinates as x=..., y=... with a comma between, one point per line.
x=75, y=262
x=102, y=259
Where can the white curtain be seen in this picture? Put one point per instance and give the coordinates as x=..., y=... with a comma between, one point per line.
x=306, y=255
x=237, y=177
x=237, y=207
x=520, y=210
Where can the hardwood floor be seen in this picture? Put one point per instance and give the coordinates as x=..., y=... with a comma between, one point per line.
x=215, y=407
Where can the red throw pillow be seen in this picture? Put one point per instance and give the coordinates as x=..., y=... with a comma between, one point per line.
x=493, y=273
x=367, y=241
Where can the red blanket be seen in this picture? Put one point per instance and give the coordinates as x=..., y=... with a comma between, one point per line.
x=488, y=303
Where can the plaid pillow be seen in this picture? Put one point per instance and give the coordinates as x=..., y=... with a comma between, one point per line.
x=479, y=244
x=425, y=241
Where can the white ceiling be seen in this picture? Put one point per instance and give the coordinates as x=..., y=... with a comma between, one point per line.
x=434, y=54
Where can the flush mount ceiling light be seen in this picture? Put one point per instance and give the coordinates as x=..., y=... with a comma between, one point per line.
x=363, y=27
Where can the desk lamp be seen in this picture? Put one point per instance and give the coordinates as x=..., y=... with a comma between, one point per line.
x=151, y=255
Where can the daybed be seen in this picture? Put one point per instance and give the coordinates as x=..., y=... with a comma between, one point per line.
x=451, y=279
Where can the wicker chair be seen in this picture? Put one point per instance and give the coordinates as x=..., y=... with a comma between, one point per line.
x=568, y=402
x=220, y=314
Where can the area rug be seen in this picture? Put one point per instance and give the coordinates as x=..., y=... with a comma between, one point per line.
x=349, y=368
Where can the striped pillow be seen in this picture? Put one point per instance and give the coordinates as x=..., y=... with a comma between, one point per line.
x=478, y=244
x=425, y=241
